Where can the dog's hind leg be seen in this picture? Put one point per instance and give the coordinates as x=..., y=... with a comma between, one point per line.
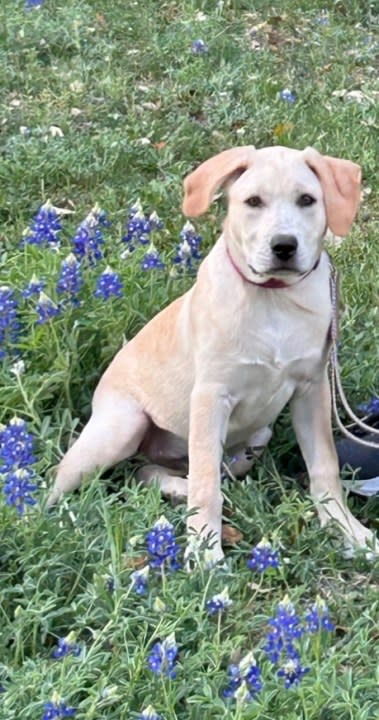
x=169, y=482
x=114, y=432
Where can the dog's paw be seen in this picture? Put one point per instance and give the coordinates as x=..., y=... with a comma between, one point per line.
x=364, y=544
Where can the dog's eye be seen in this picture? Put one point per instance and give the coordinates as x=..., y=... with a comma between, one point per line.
x=305, y=200
x=255, y=201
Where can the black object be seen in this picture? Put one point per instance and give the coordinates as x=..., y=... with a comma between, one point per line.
x=364, y=460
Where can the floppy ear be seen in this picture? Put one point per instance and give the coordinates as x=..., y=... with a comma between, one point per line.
x=341, y=183
x=201, y=185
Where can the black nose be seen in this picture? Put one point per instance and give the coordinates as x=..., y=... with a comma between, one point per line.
x=284, y=246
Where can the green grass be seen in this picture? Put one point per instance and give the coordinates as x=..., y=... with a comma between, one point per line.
x=109, y=74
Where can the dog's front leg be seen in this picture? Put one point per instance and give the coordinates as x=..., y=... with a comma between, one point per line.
x=210, y=410
x=311, y=416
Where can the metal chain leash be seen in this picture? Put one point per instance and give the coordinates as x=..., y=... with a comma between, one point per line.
x=335, y=373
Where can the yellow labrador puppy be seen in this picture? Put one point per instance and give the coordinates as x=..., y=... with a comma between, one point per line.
x=215, y=368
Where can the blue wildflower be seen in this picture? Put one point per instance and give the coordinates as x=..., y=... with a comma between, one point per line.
x=149, y=714
x=16, y=457
x=34, y=287
x=263, y=556
x=318, y=617
x=218, y=603
x=45, y=227
x=110, y=584
x=371, y=407
x=162, y=546
x=292, y=672
x=70, y=279
x=46, y=309
x=17, y=489
x=30, y=4
x=199, y=47
x=285, y=629
x=152, y=260
x=108, y=284
x=163, y=656
x=9, y=325
x=247, y=674
x=140, y=226
x=88, y=238
x=323, y=18
x=288, y=96
x=139, y=580
x=66, y=646
x=57, y=710
x=16, y=446
x=188, y=248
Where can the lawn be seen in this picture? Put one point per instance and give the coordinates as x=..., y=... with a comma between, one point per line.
x=105, y=106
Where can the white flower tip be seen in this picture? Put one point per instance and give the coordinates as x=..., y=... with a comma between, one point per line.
x=71, y=259
x=44, y=299
x=142, y=573
x=247, y=661
x=170, y=641
x=188, y=227
x=16, y=421
x=162, y=522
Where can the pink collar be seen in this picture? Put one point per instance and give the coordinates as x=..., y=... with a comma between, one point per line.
x=271, y=284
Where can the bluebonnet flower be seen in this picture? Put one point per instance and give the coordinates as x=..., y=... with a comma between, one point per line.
x=247, y=674
x=30, y=4
x=152, y=260
x=218, y=603
x=46, y=309
x=66, y=646
x=16, y=457
x=108, y=284
x=149, y=714
x=17, y=489
x=55, y=710
x=288, y=96
x=9, y=325
x=199, y=47
x=163, y=656
x=292, y=672
x=88, y=238
x=285, y=629
x=188, y=249
x=323, y=18
x=139, y=580
x=45, y=227
x=371, y=407
x=318, y=617
x=34, y=287
x=70, y=279
x=161, y=545
x=16, y=446
x=110, y=584
x=140, y=226
x=263, y=556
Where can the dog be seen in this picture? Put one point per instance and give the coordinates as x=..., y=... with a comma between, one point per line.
x=214, y=369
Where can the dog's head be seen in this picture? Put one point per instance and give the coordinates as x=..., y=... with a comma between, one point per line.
x=280, y=203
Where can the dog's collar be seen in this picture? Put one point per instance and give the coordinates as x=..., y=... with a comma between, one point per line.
x=273, y=283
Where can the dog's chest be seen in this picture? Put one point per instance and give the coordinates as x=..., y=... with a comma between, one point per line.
x=270, y=362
